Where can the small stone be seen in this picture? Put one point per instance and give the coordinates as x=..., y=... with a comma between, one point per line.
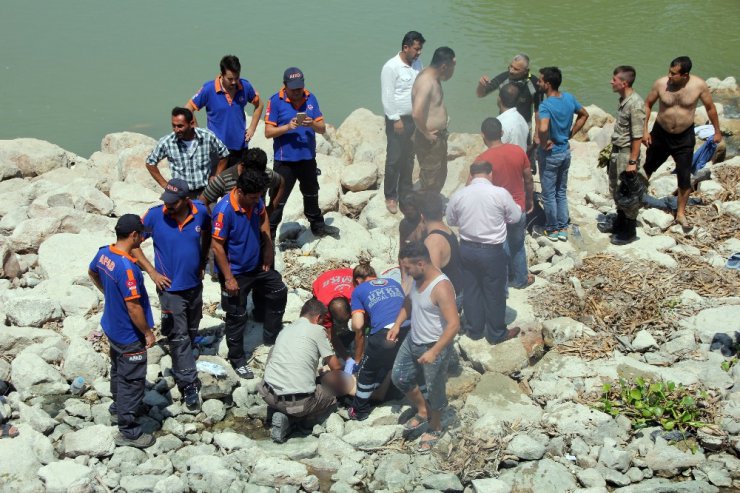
x=442, y=482
x=490, y=485
x=590, y=478
x=525, y=447
x=643, y=341
x=214, y=410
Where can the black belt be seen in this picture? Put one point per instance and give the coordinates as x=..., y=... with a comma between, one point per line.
x=287, y=397
x=474, y=244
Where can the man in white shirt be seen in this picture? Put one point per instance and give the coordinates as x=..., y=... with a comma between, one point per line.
x=513, y=123
x=396, y=80
x=481, y=211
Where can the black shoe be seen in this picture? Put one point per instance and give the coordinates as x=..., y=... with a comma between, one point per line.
x=191, y=397
x=280, y=427
x=355, y=416
x=627, y=234
x=324, y=229
x=145, y=440
x=244, y=372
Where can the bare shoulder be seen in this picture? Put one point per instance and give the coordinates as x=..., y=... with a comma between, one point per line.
x=443, y=290
x=660, y=83
x=697, y=83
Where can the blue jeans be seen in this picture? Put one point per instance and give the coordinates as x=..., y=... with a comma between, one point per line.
x=514, y=246
x=484, y=302
x=554, y=180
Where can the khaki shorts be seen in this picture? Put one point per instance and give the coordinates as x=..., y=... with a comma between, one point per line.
x=300, y=405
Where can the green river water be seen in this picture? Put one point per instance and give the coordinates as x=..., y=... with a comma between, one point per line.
x=74, y=71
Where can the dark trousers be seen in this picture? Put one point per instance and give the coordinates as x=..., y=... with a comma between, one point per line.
x=306, y=173
x=127, y=379
x=484, y=275
x=374, y=366
x=181, y=314
x=399, y=159
x=275, y=296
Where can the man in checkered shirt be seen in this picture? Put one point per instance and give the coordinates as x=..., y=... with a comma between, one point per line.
x=191, y=152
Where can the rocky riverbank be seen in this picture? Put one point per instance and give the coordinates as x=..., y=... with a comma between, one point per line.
x=531, y=414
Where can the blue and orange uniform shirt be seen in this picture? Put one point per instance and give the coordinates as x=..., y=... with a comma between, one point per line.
x=380, y=300
x=226, y=117
x=298, y=144
x=240, y=231
x=333, y=284
x=177, y=246
x=122, y=281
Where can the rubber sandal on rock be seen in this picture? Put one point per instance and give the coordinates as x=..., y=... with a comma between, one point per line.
x=8, y=431
x=415, y=423
x=426, y=445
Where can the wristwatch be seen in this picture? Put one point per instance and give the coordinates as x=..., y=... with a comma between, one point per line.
x=633, y=161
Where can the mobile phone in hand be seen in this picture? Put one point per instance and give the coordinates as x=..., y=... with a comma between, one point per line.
x=299, y=117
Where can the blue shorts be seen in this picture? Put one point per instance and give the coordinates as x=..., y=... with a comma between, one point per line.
x=407, y=372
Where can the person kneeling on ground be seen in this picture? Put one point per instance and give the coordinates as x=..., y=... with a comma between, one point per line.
x=375, y=305
x=290, y=386
x=334, y=289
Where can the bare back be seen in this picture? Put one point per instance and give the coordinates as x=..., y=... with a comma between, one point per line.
x=676, y=107
x=428, y=100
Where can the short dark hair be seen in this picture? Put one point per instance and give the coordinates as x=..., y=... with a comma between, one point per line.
x=230, y=63
x=481, y=168
x=442, y=55
x=178, y=111
x=251, y=181
x=314, y=307
x=412, y=36
x=339, y=308
x=415, y=250
x=491, y=128
x=509, y=94
x=684, y=62
x=256, y=158
x=553, y=76
x=627, y=73
x=432, y=206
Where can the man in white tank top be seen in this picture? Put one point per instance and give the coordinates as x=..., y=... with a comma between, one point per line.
x=427, y=348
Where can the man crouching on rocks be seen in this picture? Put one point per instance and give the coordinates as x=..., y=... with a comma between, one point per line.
x=427, y=348
x=127, y=322
x=290, y=386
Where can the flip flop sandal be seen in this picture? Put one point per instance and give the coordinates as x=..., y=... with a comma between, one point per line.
x=734, y=261
x=426, y=446
x=420, y=421
x=8, y=431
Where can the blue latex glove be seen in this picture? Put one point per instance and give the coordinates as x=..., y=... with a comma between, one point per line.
x=349, y=366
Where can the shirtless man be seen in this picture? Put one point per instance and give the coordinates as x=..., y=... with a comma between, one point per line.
x=430, y=117
x=673, y=131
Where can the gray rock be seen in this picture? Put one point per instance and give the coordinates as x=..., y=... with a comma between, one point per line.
x=359, y=176
x=525, y=447
x=722, y=319
x=277, y=472
x=643, y=341
x=498, y=399
x=94, y=441
x=616, y=478
x=660, y=485
x=666, y=460
x=59, y=476
x=165, y=444
x=143, y=483
x=158, y=466
x=635, y=474
x=393, y=473
x=442, y=482
x=28, y=310
x=18, y=462
x=590, y=478
x=33, y=376
x=310, y=483
x=505, y=358
x=214, y=410
x=352, y=203
x=230, y=441
x=335, y=425
x=36, y=417
x=490, y=485
x=13, y=340
x=4, y=368
x=570, y=418
x=341, y=487
x=543, y=475
x=217, y=388
x=181, y=457
x=41, y=445
x=630, y=368
x=681, y=341
x=209, y=473
x=372, y=438
x=83, y=360
x=77, y=407
x=612, y=457
x=332, y=446
x=353, y=473
x=296, y=448
x=171, y=484
x=563, y=329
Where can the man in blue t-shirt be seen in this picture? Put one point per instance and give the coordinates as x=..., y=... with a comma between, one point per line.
x=292, y=119
x=127, y=322
x=375, y=305
x=244, y=256
x=224, y=99
x=556, y=116
x=181, y=231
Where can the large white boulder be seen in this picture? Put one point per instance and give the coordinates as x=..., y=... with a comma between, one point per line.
x=35, y=157
x=352, y=203
x=13, y=340
x=29, y=234
x=83, y=361
x=361, y=126
x=596, y=118
x=133, y=199
x=359, y=176
x=18, y=466
x=9, y=170
x=14, y=193
x=118, y=141
x=93, y=441
x=29, y=309
x=61, y=475
x=32, y=376
x=54, y=254
x=73, y=298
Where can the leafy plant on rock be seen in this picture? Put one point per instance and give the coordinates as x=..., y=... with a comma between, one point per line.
x=648, y=403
